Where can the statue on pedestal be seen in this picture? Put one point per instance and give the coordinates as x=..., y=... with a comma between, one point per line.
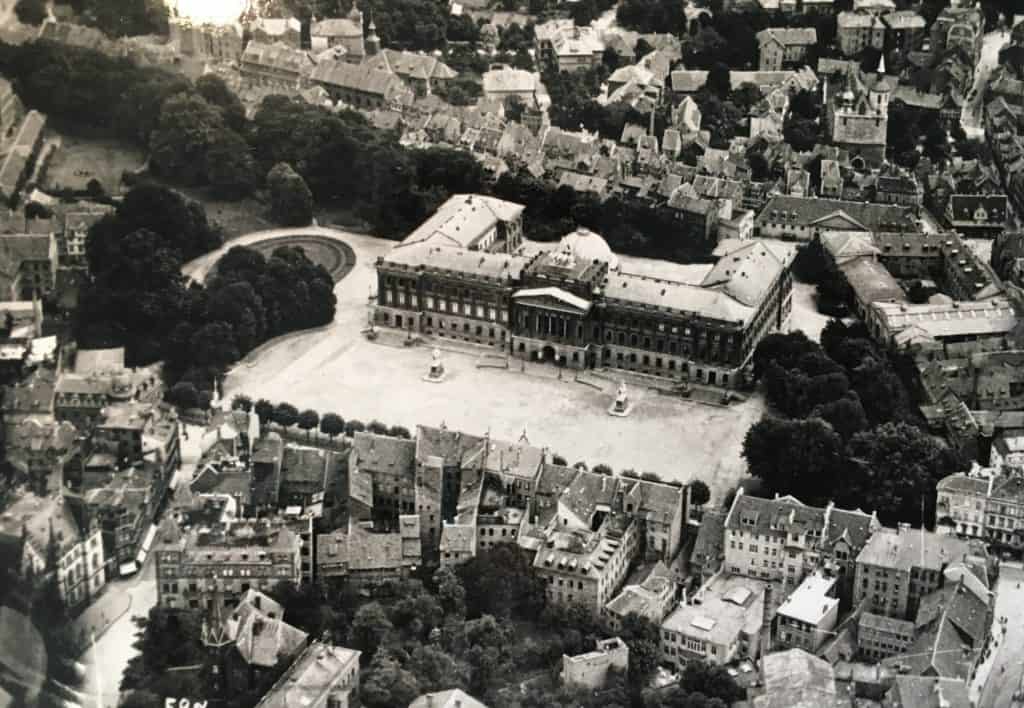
x=622, y=404
x=436, y=372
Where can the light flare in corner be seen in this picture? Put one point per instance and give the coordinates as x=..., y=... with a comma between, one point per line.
x=219, y=12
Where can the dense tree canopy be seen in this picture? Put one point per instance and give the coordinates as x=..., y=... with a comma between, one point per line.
x=291, y=202
x=849, y=432
x=139, y=299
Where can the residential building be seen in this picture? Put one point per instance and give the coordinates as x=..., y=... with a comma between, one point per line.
x=784, y=539
x=11, y=111
x=977, y=215
x=29, y=266
x=952, y=628
x=806, y=618
x=40, y=450
x=722, y=624
x=831, y=180
x=587, y=548
x=304, y=474
x=81, y=399
x=361, y=86
x=423, y=73
x=276, y=30
x=258, y=639
x=904, y=30
x=135, y=431
x=879, y=636
x=856, y=31
x=452, y=698
x=926, y=692
x=459, y=537
x=390, y=465
x=948, y=330
x=590, y=670
x=502, y=82
x=709, y=548
x=653, y=598
x=990, y=508
x=803, y=218
x=898, y=567
x=60, y=537
x=200, y=567
x=29, y=399
x=275, y=65
x=322, y=676
x=795, y=677
x=1007, y=450
x=780, y=47
x=344, y=33
x=366, y=558
x=543, y=306
x=893, y=186
x=216, y=42
x=125, y=505
x=560, y=45
x=688, y=81
x=17, y=165
x=958, y=28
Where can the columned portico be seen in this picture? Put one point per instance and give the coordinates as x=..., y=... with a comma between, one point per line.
x=549, y=324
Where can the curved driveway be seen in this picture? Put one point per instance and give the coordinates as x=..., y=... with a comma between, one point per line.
x=198, y=269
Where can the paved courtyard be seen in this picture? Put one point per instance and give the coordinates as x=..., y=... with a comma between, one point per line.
x=337, y=369
x=1004, y=671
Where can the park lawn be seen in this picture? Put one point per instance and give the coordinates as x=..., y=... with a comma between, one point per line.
x=80, y=160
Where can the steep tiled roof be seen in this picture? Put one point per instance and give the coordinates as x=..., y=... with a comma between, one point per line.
x=789, y=36
x=509, y=80
x=797, y=679
x=259, y=632
x=906, y=548
x=463, y=219
x=762, y=516
x=418, y=66
x=278, y=56
x=746, y=274
x=383, y=452
x=710, y=542
x=359, y=78
x=341, y=27
x=804, y=211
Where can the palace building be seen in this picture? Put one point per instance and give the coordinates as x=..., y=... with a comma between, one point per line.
x=465, y=274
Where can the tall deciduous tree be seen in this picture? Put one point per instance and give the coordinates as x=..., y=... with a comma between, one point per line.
x=799, y=457
x=291, y=202
x=699, y=493
x=308, y=420
x=183, y=137
x=264, y=411
x=285, y=415
x=332, y=425
x=370, y=628
x=894, y=470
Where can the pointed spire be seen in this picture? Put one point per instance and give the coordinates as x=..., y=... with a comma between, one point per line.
x=523, y=438
x=881, y=64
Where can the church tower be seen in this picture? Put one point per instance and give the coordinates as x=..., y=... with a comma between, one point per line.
x=881, y=90
x=372, y=40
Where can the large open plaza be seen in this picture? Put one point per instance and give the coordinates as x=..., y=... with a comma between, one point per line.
x=338, y=369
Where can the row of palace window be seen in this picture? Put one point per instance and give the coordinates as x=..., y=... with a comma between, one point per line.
x=467, y=329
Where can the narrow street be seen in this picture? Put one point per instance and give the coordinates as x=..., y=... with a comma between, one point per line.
x=106, y=661
x=1008, y=666
x=970, y=117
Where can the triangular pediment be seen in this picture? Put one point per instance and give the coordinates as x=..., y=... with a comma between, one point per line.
x=552, y=299
x=838, y=220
